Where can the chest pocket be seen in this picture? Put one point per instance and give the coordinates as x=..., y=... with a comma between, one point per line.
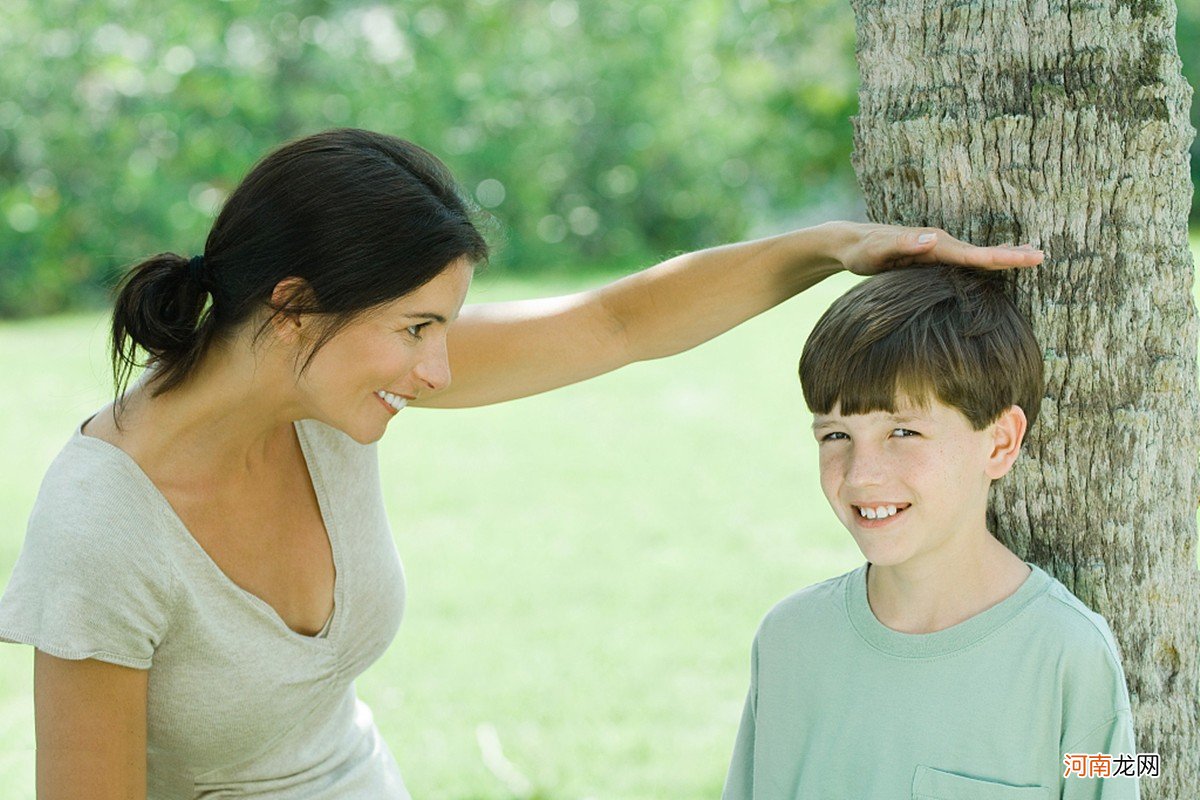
x=934, y=784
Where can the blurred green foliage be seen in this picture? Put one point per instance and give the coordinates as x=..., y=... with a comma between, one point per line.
x=606, y=131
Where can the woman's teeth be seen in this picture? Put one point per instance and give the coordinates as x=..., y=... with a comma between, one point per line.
x=395, y=401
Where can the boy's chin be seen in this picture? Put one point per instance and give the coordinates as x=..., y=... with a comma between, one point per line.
x=875, y=556
x=887, y=561
x=881, y=555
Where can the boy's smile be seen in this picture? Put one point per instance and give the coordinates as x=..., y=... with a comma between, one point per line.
x=876, y=515
x=907, y=484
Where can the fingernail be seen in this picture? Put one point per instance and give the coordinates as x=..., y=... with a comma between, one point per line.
x=924, y=238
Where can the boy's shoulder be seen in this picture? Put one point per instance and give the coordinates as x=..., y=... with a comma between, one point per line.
x=1051, y=621
x=1082, y=637
x=1078, y=648
x=1069, y=614
x=819, y=602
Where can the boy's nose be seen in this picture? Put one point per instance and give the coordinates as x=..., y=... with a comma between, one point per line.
x=864, y=469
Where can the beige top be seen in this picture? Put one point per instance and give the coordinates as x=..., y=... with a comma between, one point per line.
x=239, y=704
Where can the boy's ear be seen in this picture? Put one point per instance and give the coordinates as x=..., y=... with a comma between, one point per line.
x=1008, y=431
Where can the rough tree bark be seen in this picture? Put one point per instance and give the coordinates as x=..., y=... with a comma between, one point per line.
x=1066, y=124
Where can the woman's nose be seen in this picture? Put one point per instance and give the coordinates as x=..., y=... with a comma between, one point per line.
x=434, y=370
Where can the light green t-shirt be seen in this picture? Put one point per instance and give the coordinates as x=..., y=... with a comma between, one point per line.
x=841, y=706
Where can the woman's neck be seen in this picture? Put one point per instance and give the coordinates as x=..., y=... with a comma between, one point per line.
x=228, y=420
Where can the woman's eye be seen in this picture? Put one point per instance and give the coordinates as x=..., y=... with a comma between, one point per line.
x=415, y=330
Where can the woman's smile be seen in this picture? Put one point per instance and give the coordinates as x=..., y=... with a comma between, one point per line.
x=392, y=402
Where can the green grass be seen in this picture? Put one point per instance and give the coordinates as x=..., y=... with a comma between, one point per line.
x=586, y=568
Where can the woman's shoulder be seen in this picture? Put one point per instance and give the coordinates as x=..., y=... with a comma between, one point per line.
x=93, y=488
x=92, y=578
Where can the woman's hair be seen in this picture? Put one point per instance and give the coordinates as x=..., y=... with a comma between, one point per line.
x=933, y=332
x=361, y=217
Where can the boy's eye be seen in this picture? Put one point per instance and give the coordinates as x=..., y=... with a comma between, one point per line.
x=905, y=433
x=834, y=436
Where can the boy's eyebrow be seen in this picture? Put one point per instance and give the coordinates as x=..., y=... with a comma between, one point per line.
x=829, y=423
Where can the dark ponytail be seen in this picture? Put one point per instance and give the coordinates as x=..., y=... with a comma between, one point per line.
x=361, y=217
x=161, y=307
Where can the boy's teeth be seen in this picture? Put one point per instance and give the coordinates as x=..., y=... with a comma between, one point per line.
x=877, y=513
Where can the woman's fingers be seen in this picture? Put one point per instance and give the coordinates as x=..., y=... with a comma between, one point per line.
x=919, y=240
x=951, y=251
x=882, y=247
x=1006, y=256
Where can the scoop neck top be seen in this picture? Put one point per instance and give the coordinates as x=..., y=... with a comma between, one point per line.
x=237, y=701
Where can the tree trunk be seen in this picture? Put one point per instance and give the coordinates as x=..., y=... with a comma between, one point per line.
x=1066, y=125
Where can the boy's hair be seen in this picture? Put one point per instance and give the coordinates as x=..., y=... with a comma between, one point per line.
x=946, y=332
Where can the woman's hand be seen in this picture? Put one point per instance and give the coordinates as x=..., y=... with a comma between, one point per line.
x=866, y=248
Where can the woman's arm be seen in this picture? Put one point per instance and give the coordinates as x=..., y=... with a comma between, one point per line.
x=501, y=351
x=90, y=721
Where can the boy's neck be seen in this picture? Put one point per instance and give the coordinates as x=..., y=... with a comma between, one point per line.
x=944, y=588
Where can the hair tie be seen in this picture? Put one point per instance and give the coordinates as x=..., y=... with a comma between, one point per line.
x=196, y=271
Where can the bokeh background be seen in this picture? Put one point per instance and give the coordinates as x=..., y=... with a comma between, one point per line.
x=586, y=568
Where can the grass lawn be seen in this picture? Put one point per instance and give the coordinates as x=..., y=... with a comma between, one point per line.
x=586, y=568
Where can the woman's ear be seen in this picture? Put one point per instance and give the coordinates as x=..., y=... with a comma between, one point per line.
x=1008, y=431
x=290, y=300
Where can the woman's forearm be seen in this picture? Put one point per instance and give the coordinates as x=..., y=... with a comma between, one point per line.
x=502, y=351
x=691, y=298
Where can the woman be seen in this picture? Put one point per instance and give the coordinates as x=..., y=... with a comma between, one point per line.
x=208, y=565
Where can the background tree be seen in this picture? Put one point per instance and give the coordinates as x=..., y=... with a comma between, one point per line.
x=1067, y=125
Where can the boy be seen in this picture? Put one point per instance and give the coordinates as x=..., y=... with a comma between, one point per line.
x=945, y=667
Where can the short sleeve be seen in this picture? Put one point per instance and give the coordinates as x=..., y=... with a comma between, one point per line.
x=739, y=783
x=91, y=580
x=1114, y=737
x=1097, y=717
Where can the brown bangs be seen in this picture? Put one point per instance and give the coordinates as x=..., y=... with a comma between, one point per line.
x=918, y=334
